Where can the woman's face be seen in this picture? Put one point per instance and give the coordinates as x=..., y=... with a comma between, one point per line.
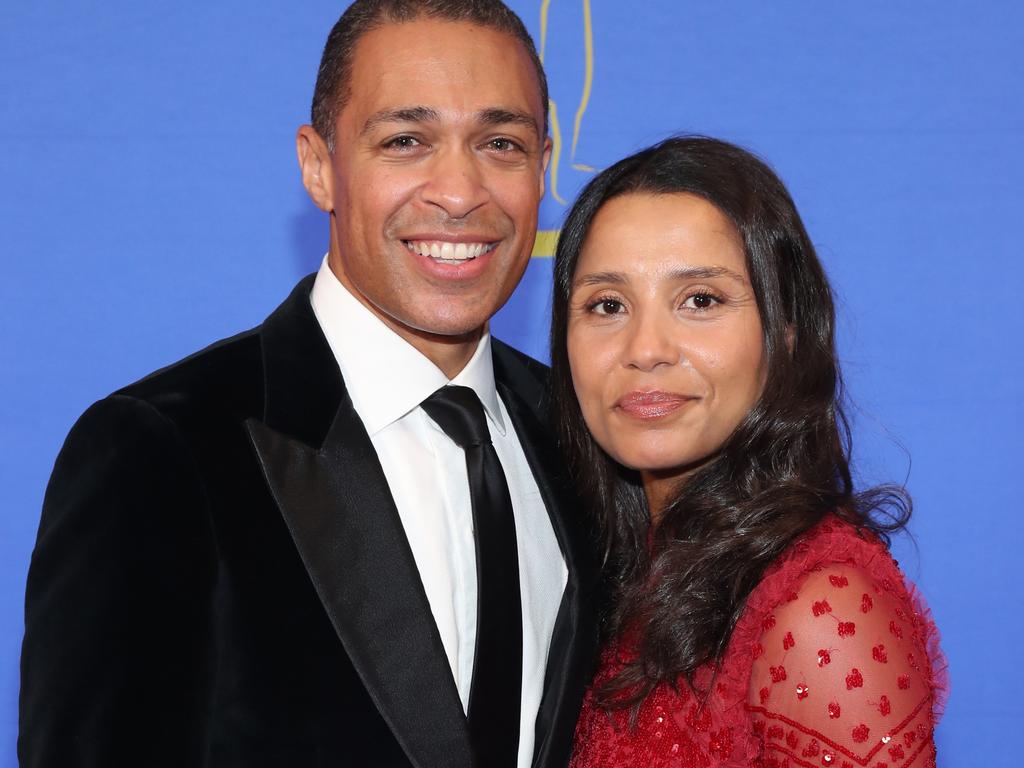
x=664, y=336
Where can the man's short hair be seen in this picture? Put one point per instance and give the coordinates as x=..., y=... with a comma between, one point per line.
x=333, y=79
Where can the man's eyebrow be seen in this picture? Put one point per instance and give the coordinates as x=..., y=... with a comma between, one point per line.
x=401, y=115
x=500, y=116
x=683, y=273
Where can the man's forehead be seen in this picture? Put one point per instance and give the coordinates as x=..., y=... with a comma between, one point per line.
x=446, y=66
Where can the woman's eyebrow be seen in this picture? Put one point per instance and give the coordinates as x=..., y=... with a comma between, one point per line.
x=682, y=273
x=596, y=278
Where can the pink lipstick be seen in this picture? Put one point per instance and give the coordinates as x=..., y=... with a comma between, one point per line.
x=651, y=405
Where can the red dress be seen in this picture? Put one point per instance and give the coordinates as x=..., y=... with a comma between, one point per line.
x=834, y=662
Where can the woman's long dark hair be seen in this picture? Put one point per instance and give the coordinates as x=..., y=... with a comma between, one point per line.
x=783, y=469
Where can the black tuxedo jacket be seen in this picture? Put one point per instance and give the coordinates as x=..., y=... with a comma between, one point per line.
x=221, y=577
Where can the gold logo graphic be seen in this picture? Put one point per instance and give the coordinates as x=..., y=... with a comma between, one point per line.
x=544, y=246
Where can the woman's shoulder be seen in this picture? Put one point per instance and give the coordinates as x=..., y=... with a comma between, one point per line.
x=835, y=649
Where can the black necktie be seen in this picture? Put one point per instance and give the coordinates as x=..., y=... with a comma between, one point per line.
x=494, y=696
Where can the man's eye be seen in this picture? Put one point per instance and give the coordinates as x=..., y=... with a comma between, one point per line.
x=402, y=142
x=504, y=145
x=606, y=307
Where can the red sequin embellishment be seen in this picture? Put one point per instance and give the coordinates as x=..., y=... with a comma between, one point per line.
x=896, y=752
x=801, y=692
x=866, y=604
x=909, y=738
x=847, y=629
x=854, y=680
x=758, y=650
x=764, y=693
x=878, y=654
x=812, y=750
x=833, y=710
x=778, y=673
x=838, y=581
x=903, y=681
x=896, y=630
x=820, y=607
x=788, y=641
x=824, y=657
x=792, y=739
x=860, y=733
x=768, y=623
x=884, y=706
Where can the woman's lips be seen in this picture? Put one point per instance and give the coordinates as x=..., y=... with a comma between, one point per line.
x=651, y=405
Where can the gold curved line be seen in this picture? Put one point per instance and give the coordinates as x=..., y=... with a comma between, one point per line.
x=556, y=149
x=545, y=244
x=584, y=167
x=544, y=7
x=588, y=81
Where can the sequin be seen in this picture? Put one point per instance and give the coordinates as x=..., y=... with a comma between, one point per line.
x=878, y=654
x=854, y=680
x=884, y=706
x=827, y=758
x=792, y=739
x=778, y=674
x=866, y=603
x=788, y=641
x=886, y=739
x=763, y=694
x=813, y=749
x=895, y=630
x=758, y=651
x=768, y=623
x=847, y=629
x=824, y=657
x=821, y=607
x=903, y=681
x=834, y=710
x=838, y=581
x=860, y=733
x=896, y=752
x=801, y=692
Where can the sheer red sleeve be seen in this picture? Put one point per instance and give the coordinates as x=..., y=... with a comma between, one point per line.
x=841, y=675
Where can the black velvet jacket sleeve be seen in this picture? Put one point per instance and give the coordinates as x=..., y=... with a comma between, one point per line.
x=117, y=647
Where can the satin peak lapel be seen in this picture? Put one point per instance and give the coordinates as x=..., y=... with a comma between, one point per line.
x=339, y=510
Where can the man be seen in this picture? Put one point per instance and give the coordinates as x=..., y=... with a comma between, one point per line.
x=273, y=552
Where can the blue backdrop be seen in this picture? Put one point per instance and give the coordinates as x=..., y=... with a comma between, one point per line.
x=150, y=203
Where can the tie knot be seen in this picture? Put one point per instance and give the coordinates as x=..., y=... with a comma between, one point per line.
x=459, y=412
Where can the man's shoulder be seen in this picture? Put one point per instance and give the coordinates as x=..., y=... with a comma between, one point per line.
x=223, y=379
x=510, y=363
x=527, y=377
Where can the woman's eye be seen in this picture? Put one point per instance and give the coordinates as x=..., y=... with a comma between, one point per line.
x=701, y=301
x=606, y=307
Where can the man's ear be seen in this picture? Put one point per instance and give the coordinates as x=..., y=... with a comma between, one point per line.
x=545, y=159
x=315, y=166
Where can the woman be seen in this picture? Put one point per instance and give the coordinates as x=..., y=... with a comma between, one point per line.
x=757, y=618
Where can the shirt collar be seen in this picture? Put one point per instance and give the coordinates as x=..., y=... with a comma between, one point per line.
x=387, y=377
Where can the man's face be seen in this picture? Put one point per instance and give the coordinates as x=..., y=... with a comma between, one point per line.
x=437, y=173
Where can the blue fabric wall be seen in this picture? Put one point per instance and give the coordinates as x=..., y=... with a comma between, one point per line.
x=150, y=203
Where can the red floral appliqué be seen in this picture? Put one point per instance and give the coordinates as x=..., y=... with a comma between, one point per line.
x=854, y=680
x=847, y=629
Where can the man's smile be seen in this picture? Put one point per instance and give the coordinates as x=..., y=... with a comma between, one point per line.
x=447, y=251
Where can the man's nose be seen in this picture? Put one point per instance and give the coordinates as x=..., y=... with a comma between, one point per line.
x=456, y=183
x=652, y=341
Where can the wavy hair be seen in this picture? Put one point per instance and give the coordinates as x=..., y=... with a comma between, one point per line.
x=680, y=589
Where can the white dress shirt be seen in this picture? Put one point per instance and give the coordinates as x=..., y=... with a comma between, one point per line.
x=387, y=379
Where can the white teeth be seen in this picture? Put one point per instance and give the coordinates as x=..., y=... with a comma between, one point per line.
x=447, y=251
